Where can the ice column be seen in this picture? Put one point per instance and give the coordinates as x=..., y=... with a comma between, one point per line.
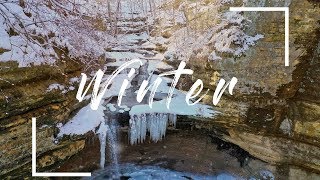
x=102, y=133
x=155, y=123
x=173, y=119
x=108, y=131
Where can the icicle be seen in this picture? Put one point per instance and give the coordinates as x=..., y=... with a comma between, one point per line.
x=102, y=132
x=143, y=128
x=133, y=129
x=164, y=125
x=155, y=131
x=155, y=123
x=137, y=120
x=152, y=126
x=173, y=119
x=108, y=131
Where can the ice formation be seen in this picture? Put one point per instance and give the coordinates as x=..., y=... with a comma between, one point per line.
x=155, y=120
x=173, y=119
x=113, y=145
x=108, y=131
x=102, y=133
x=155, y=123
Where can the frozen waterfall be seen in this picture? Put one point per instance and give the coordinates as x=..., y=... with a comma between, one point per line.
x=102, y=132
x=155, y=123
x=109, y=131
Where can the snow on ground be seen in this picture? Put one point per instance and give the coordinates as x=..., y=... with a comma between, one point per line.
x=60, y=87
x=87, y=119
x=84, y=121
x=55, y=86
x=116, y=84
x=178, y=106
x=122, y=55
x=132, y=38
x=156, y=65
x=111, y=107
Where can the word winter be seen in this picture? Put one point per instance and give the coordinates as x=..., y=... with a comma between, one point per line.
x=194, y=91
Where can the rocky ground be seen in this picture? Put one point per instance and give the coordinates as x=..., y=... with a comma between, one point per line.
x=181, y=150
x=185, y=149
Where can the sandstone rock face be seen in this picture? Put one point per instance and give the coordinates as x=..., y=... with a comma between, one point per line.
x=274, y=112
x=24, y=94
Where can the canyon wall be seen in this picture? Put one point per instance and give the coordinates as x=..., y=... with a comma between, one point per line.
x=275, y=110
x=25, y=93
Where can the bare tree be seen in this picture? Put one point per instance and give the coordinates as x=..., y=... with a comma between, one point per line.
x=37, y=31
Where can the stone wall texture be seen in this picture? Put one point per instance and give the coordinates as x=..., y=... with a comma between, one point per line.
x=274, y=113
x=24, y=95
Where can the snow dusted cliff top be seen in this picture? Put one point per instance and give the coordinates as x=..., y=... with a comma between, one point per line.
x=31, y=31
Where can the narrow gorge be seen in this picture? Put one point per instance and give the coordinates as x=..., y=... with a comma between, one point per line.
x=268, y=128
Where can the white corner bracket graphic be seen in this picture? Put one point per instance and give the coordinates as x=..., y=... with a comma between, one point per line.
x=34, y=160
x=272, y=9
